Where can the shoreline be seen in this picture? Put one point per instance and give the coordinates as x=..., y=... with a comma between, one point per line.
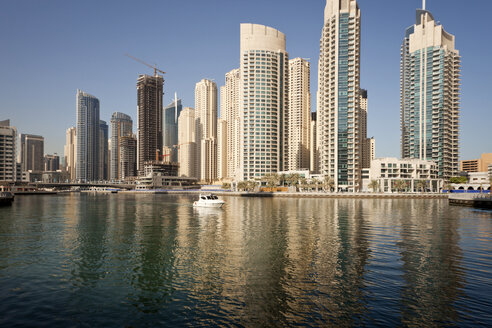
x=294, y=195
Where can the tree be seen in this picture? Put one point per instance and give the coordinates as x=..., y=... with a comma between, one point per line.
x=272, y=180
x=399, y=185
x=303, y=183
x=242, y=185
x=250, y=185
x=421, y=185
x=459, y=180
x=315, y=182
x=374, y=185
x=447, y=186
x=226, y=186
x=329, y=183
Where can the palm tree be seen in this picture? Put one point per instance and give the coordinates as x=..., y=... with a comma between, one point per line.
x=329, y=183
x=250, y=185
x=272, y=180
x=447, y=186
x=303, y=183
x=242, y=185
x=226, y=186
x=374, y=185
x=315, y=183
x=283, y=178
x=421, y=185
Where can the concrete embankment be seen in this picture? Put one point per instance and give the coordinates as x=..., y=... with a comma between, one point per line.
x=472, y=200
x=318, y=195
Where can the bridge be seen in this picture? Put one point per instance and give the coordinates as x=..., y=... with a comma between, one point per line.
x=69, y=185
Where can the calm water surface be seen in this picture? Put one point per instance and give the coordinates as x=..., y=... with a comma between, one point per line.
x=146, y=261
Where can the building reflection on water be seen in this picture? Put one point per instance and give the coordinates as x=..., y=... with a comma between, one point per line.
x=260, y=262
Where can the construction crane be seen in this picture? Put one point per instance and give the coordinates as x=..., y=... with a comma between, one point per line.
x=154, y=67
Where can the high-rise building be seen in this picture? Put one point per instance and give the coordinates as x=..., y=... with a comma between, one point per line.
x=32, y=152
x=103, y=151
x=51, y=163
x=430, y=81
x=88, y=136
x=367, y=144
x=170, y=132
x=313, y=149
x=299, y=124
x=70, y=151
x=121, y=126
x=263, y=105
x=229, y=111
x=222, y=149
x=127, y=157
x=206, y=129
x=187, y=143
x=8, y=152
x=149, y=108
x=338, y=114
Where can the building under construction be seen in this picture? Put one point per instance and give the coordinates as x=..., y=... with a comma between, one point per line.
x=149, y=107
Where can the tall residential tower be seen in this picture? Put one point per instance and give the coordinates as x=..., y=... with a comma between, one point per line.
x=206, y=129
x=338, y=114
x=170, y=132
x=263, y=101
x=88, y=136
x=229, y=111
x=299, y=124
x=430, y=81
x=121, y=126
x=149, y=108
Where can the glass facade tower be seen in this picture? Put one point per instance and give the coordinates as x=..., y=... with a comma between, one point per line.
x=430, y=78
x=338, y=115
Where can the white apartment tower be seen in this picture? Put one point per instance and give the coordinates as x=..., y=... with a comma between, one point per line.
x=338, y=113
x=430, y=81
x=222, y=149
x=313, y=149
x=70, y=151
x=229, y=111
x=187, y=143
x=299, y=124
x=206, y=129
x=263, y=104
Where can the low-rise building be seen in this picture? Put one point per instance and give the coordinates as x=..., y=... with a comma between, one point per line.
x=476, y=165
x=408, y=175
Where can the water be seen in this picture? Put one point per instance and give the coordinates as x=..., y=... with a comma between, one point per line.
x=146, y=261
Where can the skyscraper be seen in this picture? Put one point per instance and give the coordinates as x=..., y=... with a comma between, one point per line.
x=71, y=152
x=365, y=142
x=121, y=126
x=206, y=129
x=170, y=132
x=88, y=136
x=299, y=124
x=313, y=149
x=229, y=111
x=263, y=103
x=8, y=152
x=149, y=108
x=221, y=149
x=127, y=157
x=338, y=114
x=430, y=78
x=32, y=152
x=103, y=151
x=187, y=143
x=51, y=163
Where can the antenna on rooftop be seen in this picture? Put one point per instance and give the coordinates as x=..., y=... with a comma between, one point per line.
x=423, y=4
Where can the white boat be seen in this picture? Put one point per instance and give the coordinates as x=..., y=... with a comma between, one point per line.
x=209, y=201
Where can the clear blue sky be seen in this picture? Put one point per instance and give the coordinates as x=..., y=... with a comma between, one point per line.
x=50, y=48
